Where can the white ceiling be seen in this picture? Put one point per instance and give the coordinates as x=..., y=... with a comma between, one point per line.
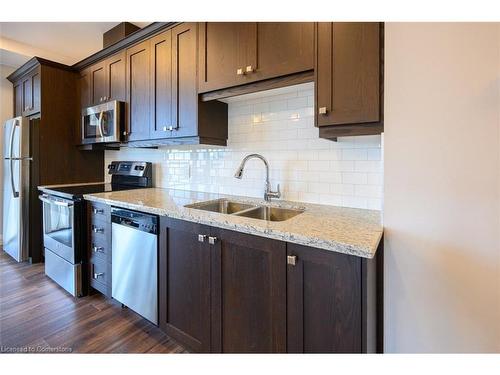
x=64, y=42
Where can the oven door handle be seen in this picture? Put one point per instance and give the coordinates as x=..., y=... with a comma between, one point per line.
x=47, y=200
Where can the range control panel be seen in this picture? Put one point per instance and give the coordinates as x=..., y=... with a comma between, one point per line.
x=129, y=168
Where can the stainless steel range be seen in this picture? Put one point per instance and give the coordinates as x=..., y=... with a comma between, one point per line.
x=65, y=221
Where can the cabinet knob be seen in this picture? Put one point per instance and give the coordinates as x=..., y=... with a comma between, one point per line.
x=201, y=237
x=291, y=260
x=97, y=249
x=125, y=133
x=212, y=240
x=322, y=110
x=249, y=69
x=240, y=71
x=97, y=229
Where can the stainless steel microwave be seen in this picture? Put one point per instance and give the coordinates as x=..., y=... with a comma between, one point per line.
x=103, y=123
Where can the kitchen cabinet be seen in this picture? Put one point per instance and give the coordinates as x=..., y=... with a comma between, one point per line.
x=115, y=77
x=185, y=283
x=138, y=92
x=238, y=53
x=163, y=92
x=223, y=291
x=161, y=85
x=85, y=88
x=324, y=301
x=99, y=247
x=347, y=76
x=27, y=94
x=248, y=293
x=103, y=81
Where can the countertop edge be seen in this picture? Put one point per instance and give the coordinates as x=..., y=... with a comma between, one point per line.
x=273, y=234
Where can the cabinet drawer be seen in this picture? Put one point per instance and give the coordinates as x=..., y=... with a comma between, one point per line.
x=99, y=271
x=99, y=211
x=99, y=229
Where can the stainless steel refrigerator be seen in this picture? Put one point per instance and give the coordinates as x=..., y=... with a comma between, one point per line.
x=16, y=187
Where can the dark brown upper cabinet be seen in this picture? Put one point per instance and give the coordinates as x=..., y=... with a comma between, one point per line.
x=238, y=53
x=161, y=85
x=103, y=81
x=177, y=115
x=27, y=94
x=348, y=78
x=85, y=88
x=225, y=49
x=115, y=77
x=138, y=60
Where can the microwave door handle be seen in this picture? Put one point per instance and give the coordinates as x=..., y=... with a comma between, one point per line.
x=11, y=158
x=100, y=124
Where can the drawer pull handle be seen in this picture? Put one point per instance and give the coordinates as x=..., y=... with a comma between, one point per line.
x=98, y=274
x=97, y=229
x=98, y=211
x=291, y=260
x=97, y=249
x=212, y=240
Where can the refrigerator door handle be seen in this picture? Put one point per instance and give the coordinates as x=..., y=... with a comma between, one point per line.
x=11, y=158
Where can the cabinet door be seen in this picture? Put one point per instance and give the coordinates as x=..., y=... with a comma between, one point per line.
x=347, y=73
x=161, y=85
x=184, y=283
x=18, y=99
x=27, y=94
x=225, y=47
x=184, y=83
x=85, y=89
x=31, y=93
x=138, y=91
x=249, y=294
x=282, y=48
x=323, y=302
x=115, y=77
x=98, y=83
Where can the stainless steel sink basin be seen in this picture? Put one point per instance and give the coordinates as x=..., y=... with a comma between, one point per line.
x=223, y=206
x=270, y=213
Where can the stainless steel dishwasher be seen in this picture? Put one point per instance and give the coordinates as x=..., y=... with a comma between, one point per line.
x=134, y=253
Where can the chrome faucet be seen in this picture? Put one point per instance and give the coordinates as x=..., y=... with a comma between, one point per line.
x=268, y=194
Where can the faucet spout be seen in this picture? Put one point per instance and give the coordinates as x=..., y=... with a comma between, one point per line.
x=268, y=194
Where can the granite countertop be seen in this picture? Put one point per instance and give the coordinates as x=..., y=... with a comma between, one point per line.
x=344, y=230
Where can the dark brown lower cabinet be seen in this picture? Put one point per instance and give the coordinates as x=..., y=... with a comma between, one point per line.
x=222, y=291
x=184, y=283
x=248, y=294
x=324, y=301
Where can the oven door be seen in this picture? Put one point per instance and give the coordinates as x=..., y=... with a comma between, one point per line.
x=59, y=226
x=102, y=123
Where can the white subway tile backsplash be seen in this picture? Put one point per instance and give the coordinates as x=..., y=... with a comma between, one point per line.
x=278, y=124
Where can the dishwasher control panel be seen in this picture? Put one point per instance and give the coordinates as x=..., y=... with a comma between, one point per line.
x=137, y=220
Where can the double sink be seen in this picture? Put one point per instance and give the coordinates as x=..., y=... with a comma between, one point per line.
x=226, y=206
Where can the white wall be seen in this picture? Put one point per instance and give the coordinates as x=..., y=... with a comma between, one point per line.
x=442, y=187
x=279, y=125
x=5, y=113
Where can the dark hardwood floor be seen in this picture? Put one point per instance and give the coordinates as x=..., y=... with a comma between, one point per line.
x=36, y=313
